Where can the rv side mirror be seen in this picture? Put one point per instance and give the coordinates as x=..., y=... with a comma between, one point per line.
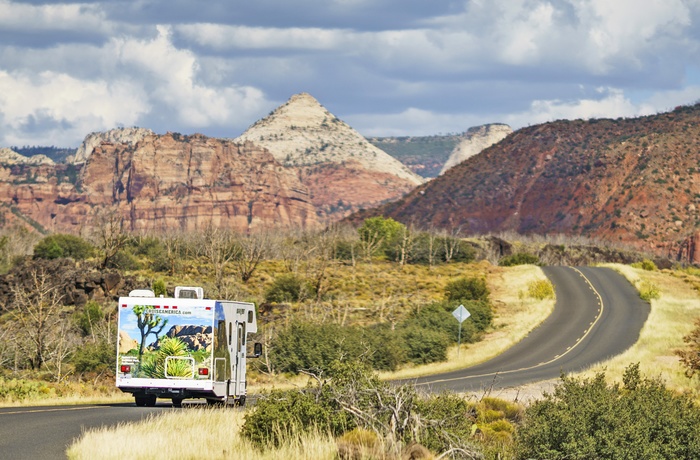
x=257, y=349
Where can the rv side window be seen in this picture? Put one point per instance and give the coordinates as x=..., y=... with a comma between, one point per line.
x=250, y=316
x=229, y=332
x=241, y=336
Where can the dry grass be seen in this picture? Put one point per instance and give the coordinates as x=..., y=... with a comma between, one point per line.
x=671, y=318
x=192, y=434
x=516, y=314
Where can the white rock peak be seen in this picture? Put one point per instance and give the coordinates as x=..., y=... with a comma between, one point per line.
x=10, y=157
x=302, y=132
x=128, y=136
x=474, y=141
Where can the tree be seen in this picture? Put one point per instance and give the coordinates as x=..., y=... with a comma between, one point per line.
x=250, y=251
x=218, y=246
x=36, y=308
x=376, y=232
x=109, y=235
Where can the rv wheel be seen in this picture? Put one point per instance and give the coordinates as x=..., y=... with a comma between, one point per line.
x=177, y=402
x=145, y=400
x=240, y=401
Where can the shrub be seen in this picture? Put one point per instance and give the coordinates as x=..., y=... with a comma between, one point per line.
x=124, y=260
x=649, y=291
x=466, y=289
x=159, y=287
x=287, y=288
x=646, y=264
x=89, y=317
x=94, y=357
x=63, y=245
x=425, y=345
x=519, y=258
x=589, y=419
x=540, y=289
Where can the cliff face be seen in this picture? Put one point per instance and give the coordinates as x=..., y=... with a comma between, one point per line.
x=475, y=140
x=129, y=136
x=163, y=182
x=342, y=170
x=633, y=181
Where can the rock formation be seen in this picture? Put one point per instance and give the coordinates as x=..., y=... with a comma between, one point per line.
x=128, y=136
x=474, y=141
x=342, y=170
x=162, y=182
x=10, y=157
x=196, y=337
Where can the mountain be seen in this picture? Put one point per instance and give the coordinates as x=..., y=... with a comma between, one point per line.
x=633, y=181
x=341, y=169
x=474, y=141
x=10, y=157
x=424, y=155
x=161, y=182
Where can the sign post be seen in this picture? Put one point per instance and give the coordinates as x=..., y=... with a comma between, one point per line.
x=461, y=314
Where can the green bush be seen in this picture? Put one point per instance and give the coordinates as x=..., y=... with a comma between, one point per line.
x=466, y=289
x=355, y=400
x=425, y=345
x=124, y=260
x=589, y=419
x=519, y=258
x=288, y=288
x=159, y=288
x=63, y=245
x=94, y=357
x=89, y=317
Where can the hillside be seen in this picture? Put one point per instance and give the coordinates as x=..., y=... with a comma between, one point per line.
x=424, y=155
x=633, y=181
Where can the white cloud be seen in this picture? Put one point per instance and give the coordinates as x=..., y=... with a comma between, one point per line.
x=57, y=109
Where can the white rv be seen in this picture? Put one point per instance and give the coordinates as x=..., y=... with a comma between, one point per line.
x=183, y=347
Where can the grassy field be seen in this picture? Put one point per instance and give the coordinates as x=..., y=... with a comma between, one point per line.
x=672, y=317
x=192, y=433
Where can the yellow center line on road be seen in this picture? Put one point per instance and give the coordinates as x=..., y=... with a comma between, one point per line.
x=49, y=410
x=577, y=343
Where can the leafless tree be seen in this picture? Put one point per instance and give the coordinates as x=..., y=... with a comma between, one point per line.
x=250, y=251
x=109, y=235
x=36, y=310
x=451, y=242
x=219, y=247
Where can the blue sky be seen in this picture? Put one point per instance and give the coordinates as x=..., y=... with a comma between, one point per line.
x=386, y=67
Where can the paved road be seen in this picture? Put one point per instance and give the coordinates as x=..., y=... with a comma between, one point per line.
x=598, y=314
x=44, y=433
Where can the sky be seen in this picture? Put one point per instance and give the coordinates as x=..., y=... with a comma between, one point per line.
x=386, y=67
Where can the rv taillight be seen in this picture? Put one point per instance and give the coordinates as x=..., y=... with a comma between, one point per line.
x=125, y=369
x=203, y=371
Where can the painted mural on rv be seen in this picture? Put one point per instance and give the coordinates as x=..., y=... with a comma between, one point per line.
x=160, y=343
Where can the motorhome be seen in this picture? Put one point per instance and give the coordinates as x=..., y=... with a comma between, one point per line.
x=184, y=347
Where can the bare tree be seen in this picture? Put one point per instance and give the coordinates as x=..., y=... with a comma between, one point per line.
x=218, y=246
x=109, y=235
x=451, y=242
x=36, y=309
x=251, y=250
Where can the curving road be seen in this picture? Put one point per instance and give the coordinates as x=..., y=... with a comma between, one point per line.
x=598, y=314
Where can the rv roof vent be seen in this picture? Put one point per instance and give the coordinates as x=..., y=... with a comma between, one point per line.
x=141, y=293
x=185, y=292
